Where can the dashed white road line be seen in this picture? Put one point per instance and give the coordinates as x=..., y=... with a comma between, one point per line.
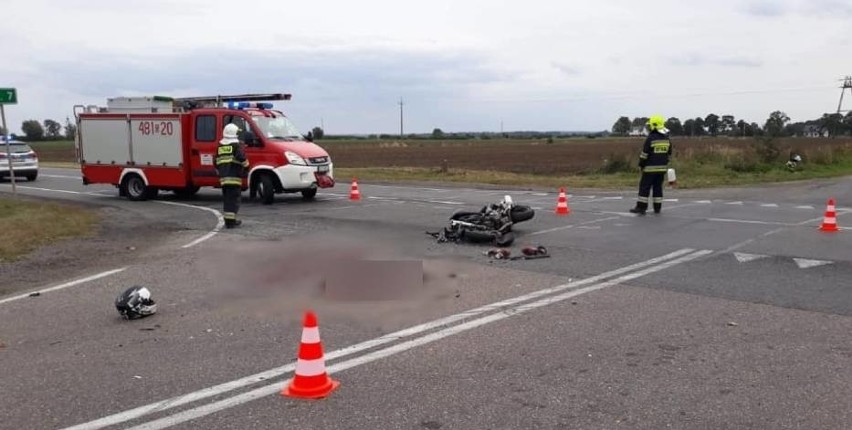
x=65, y=285
x=653, y=264
x=769, y=205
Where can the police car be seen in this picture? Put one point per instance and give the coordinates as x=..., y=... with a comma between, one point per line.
x=24, y=159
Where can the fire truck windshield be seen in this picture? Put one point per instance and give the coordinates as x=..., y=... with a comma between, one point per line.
x=277, y=127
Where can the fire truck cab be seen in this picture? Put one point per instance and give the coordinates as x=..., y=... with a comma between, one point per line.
x=143, y=145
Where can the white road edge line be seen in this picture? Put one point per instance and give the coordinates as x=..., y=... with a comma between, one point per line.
x=219, y=224
x=391, y=337
x=65, y=285
x=270, y=389
x=220, y=221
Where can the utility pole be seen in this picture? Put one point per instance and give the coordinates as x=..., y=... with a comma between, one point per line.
x=400, y=117
x=847, y=83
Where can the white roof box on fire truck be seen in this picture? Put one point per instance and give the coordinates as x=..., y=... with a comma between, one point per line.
x=155, y=104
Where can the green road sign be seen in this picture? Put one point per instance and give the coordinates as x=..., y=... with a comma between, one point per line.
x=8, y=96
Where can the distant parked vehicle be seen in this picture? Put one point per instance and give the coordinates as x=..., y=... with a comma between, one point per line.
x=24, y=160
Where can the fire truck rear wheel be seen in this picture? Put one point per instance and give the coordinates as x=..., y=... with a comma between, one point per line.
x=266, y=189
x=135, y=188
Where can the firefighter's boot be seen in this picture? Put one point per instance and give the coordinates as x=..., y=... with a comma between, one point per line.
x=658, y=207
x=232, y=223
x=640, y=208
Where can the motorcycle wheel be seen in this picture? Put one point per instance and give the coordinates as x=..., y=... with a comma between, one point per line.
x=521, y=213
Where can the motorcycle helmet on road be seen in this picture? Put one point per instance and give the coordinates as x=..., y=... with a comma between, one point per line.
x=135, y=302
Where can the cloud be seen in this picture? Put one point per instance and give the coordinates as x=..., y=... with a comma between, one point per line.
x=568, y=69
x=698, y=60
x=836, y=8
x=765, y=8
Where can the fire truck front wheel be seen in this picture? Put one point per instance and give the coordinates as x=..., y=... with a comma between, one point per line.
x=266, y=188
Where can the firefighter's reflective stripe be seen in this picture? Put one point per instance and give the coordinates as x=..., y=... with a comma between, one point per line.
x=643, y=156
x=643, y=199
x=224, y=160
x=229, y=215
x=658, y=199
x=655, y=169
x=230, y=180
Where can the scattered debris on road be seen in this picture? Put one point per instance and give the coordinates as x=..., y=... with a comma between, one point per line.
x=36, y=294
x=732, y=324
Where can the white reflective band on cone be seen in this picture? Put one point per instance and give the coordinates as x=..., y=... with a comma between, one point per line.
x=830, y=209
x=310, y=335
x=831, y=220
x=310, y=367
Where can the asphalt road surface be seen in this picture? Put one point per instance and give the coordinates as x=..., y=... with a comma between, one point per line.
x=730, y=310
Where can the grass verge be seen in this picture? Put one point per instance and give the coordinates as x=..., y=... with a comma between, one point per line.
x=29, y=225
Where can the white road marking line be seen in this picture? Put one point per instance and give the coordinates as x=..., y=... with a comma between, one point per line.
x=220, y=221
x=65, y=285
x=737, y=203
x=44, y=175
x=671, y=200
x=805, y=207
x=748, y=241
x=745, y=258
x=47, y=189
x=566, y=227
x=363, y=346
x=769, y=205
x=270, y=389
x=747, y=221
x=807, y=264
x=445, y=202
x=704, y=202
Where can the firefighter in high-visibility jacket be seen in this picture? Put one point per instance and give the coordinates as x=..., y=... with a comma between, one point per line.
x=654, y=162
x=231, y=163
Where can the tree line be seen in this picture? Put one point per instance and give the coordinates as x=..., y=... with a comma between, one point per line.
x=778, y=124
x=48, y=130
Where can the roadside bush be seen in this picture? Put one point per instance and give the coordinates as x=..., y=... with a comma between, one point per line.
x=767, y=149
x=617, y=163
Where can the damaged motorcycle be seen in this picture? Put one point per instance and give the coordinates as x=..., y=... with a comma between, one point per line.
x=492, y=224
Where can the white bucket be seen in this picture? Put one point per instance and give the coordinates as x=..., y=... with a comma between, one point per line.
x=671, y=176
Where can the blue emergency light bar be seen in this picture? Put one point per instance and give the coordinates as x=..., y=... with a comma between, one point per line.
x=243, y=105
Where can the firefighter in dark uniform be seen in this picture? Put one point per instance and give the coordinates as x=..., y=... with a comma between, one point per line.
x=654, y=162
x=231, y=163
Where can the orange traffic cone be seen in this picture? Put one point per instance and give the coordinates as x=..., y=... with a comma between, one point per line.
x=562, y=203
x=354, y=193
x=829, y=223
x=311, y=380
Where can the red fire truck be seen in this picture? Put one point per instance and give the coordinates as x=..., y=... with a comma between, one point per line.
x=143, y=145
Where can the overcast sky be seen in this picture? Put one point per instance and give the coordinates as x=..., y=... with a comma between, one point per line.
x=464, y=65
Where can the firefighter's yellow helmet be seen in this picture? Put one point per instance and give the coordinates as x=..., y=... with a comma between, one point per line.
x=656, y=122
